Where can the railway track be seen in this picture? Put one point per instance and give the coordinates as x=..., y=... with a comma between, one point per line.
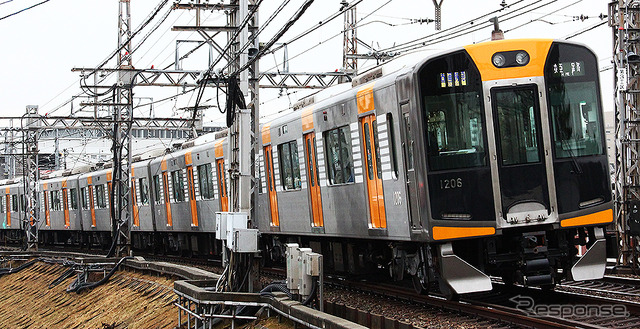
x=615, y=285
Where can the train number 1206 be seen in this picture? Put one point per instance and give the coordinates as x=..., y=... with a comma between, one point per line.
x=450, y=183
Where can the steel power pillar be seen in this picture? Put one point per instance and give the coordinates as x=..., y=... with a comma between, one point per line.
x=122, y=123
x=626, y=45
x=30, y=177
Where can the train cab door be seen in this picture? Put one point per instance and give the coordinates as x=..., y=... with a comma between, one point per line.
x=271, y=186
x=410, y=172
x=313, y=179
x=373, y=171
x=524, y=190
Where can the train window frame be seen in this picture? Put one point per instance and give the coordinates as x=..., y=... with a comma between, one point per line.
x=157, y=188
x=289, y=159
x=205, y=181
x=531, y=139
x=340, y=137
x=177, y=183
x=408, y=145
x=391, y=142
x=84, y=198
x=101, y=202
x=73, y=194
x=2, y=197
x=23, y=202
x=453, y=113
x=14, y=202
x=143, y=186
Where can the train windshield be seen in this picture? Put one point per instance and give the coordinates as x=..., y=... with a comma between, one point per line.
x=452, y=99
x=573, y=93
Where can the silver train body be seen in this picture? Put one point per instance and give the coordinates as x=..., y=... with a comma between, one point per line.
x=486, y=160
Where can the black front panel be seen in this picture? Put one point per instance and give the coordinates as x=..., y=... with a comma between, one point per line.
x=580, y=163
x=459, y=177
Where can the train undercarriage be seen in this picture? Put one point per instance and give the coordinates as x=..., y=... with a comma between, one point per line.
x=540, y=258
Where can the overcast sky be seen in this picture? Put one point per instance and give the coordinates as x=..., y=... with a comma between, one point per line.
x=40, y=46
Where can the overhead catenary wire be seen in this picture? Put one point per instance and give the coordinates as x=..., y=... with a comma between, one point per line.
x=23, y=10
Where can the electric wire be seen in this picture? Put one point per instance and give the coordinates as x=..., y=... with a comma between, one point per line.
x=453, y=28
x=23, y=10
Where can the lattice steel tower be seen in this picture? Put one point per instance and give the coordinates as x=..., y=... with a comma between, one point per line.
x=624, y=18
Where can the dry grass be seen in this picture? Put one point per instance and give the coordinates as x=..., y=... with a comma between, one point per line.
x=128, y=300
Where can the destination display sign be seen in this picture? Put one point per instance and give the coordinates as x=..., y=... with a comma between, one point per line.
x=569, y=69
x=453, y=79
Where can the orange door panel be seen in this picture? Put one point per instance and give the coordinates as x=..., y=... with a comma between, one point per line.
x=313, y=179
x=8, y=207
x=47, y=214
x=192, y=197
x=92, y=206
x=271, y=186
x=222, y=185
x=373, y=171
x=167, y=199
x=134, y=203
x=65, y=207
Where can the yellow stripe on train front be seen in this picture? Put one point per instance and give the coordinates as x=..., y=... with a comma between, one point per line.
x=446, y=233
x=601, y=217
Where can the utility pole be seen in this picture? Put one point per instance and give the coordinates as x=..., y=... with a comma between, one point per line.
x=30, y=132
x=350, y=41
x=122, y=123
x=624, y=22
x=438, y=14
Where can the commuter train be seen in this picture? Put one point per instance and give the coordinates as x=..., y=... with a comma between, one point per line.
x=483, y=161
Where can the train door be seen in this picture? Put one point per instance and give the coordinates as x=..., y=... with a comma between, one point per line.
x=520, y=159
x=167, y=196
x=92, y=203
x=410, y=172
x=222, y=185
x=8, y=206
x=192, y=196
x=271, y=186
x=134, y=201
x=373, y=171
x=313, y=179
x=47, y=213
x=65, y=205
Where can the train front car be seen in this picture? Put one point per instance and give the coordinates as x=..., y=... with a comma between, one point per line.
x=516, y=171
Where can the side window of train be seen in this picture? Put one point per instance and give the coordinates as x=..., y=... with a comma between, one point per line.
x=2, y=204
x=14, y=202
x=84, y=198
x=74, y=198
x=143, y=185
x=100, y=200
x=338, y=155
x=290, y=166
x=392, y=145
x=23, y=202
x=156, y=189
x=408, y=146
x=205, y=180
x=178, y=185
x=55, y=200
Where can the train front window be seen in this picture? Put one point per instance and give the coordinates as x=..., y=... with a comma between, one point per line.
x=453, y=112
x=571, y=75
x=576, y=120
x=516, y=117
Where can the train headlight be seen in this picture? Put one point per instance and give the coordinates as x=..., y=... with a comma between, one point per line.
x=522, y=58
x=499, y=60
